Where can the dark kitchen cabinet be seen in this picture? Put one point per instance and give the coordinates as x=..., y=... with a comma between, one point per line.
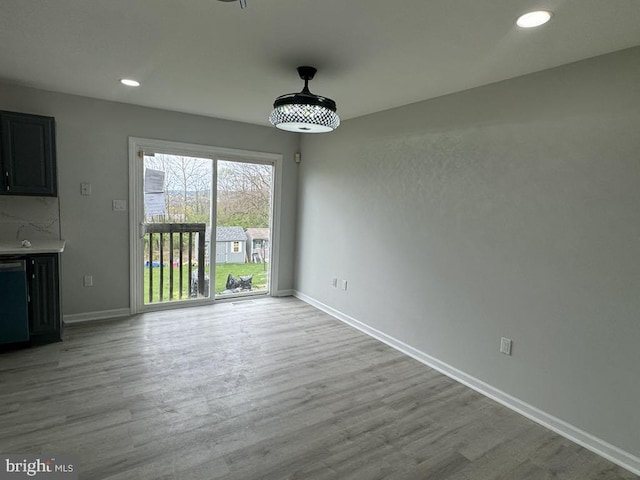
x=44, y=298
x=27, y=154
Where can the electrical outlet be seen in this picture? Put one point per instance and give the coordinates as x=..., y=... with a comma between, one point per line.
x=505, y=346
x=119, y=205
x=87, y=281
x=334, y=282
x=85, y=189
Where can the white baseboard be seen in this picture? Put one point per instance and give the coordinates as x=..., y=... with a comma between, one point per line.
x=585, y=439
x=284, y=293
x=89, y=316
x=124, y=312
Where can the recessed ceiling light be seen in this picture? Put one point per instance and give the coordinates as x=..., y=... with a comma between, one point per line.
x=533, y=19
x=129, y=82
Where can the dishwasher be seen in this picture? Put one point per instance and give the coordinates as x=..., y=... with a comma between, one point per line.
x=14, y=320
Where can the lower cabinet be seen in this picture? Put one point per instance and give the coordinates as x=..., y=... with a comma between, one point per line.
x=44, y=298
x=30, y=310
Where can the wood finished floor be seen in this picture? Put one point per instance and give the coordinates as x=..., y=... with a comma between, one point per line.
x=265, y=389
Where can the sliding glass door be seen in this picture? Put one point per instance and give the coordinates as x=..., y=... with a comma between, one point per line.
x=243, y=227
x=202, y=223
x=176, y=229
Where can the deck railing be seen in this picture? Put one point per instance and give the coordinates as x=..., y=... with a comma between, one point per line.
x=178, y=239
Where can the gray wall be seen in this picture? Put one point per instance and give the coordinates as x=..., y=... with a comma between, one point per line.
x=508, y=210
x=92, y=146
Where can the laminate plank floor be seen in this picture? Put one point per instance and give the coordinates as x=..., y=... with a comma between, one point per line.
x=263, y=389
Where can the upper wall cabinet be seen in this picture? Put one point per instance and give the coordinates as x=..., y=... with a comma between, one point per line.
x=27, y=154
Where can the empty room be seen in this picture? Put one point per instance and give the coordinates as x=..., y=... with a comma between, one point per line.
x=303, y=239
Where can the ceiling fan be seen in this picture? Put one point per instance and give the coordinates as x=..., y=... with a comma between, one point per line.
x=243, y=3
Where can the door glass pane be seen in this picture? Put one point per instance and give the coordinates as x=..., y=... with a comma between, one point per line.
x=243, y=228
x=177, y=228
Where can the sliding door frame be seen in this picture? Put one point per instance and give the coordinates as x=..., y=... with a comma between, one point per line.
x=136, y=210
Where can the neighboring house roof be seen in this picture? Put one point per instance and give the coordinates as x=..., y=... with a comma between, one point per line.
x=230, y=234
x=258, y=233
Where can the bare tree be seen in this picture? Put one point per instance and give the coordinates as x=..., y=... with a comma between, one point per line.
x=187, y=185
x=243, y=190
x=244, y=194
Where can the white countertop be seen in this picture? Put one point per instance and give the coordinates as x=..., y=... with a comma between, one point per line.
x=37, y=246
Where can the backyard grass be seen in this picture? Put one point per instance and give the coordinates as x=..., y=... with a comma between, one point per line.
x=258, y=270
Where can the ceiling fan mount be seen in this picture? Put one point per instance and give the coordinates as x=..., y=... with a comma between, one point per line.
x=243, y=3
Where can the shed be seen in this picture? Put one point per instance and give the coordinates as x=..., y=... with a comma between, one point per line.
x=230, y=245
x=258, y=245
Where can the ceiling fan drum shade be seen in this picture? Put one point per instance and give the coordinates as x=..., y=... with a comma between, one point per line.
x=304, y=112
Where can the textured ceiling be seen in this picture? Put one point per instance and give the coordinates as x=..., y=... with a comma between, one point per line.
x=212, y=58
